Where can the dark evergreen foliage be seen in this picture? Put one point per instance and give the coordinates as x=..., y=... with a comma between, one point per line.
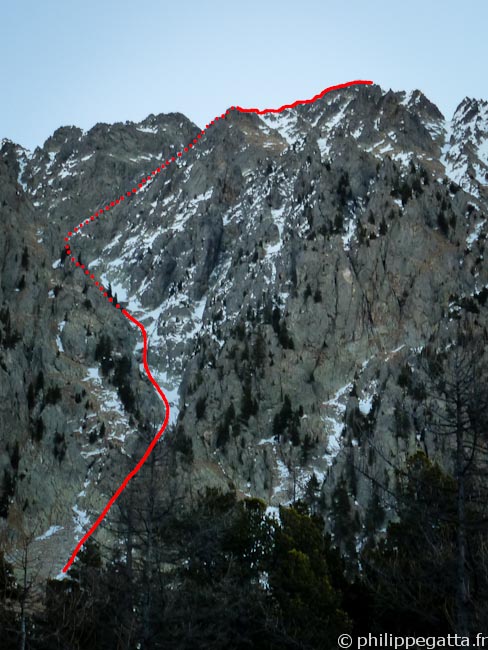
x=38, y=430
x=183, y=444
x=25, y=258
x=200, y=407
x=122, y=382
x=53, y=395
x=60, y=446
x=249, y=405
x=8, y=336
x=8, y=491
x=224, y=428
x=103, y=353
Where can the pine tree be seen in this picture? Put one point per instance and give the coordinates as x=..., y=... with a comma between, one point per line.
x=458, y=404
x=411, y=571
x=301, y=580
x=249, y=405
x=442, y=527
x=103, y=354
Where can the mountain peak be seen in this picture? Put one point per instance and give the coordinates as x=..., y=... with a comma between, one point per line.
x=470, y=109
x=416, y=99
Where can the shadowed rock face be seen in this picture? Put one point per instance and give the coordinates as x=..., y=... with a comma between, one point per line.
x=288, y=269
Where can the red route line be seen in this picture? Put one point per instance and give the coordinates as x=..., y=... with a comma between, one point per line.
x=146, y=455
x=300, y=102
x=102, y=289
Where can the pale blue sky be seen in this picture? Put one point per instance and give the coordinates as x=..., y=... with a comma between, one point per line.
x=86, y=61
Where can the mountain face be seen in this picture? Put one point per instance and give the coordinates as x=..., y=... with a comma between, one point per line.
x=289, y=270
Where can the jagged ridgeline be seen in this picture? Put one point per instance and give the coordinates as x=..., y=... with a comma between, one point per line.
x=306, y=280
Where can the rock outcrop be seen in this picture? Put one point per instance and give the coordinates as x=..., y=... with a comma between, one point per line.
x=289, y=270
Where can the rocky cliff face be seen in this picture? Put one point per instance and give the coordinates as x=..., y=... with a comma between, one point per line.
x=289, y=271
